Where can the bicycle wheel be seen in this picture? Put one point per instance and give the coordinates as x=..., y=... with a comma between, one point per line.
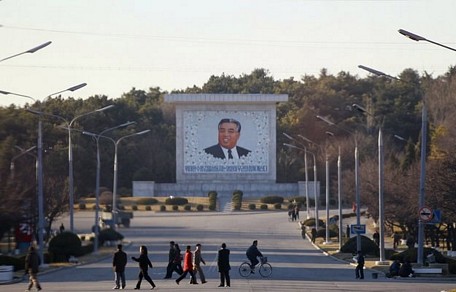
x=265, y=270
x=244, y=269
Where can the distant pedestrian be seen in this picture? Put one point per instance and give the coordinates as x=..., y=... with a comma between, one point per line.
x=396, y=239
x=359, y=270
x=297, y=212
x=376, y=237
x=313, y=232
x=188, y=267
x=223, y=263
x=347, y=232
x=197, y=260
x=32, y=263
x=119, y=261
x=144, y=264
x=171, y=258
x=61, y=228
x=410, y=242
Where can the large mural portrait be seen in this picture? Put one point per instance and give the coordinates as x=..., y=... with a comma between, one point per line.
x=226, y=141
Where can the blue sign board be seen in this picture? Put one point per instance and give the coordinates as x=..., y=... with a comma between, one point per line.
x=436, y=217
x=358, y=229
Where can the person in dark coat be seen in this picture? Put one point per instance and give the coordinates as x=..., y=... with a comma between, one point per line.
x=252, y=254
x=188, y=267
x=223, y=263
x=359, y=270
x=394, y=269
x=406, y=269
x=144, y=264
x=171, y=257
x=32, y=263
x=177, y=265
x=119, y=261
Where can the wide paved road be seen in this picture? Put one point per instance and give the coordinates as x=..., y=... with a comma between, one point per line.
x=297, y=265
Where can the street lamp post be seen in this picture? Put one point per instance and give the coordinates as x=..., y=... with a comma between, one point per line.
x=339, y=191
x=327, y=240
x=357, y=184
x=420, y=251
x=31, y=51
x=381, y=204
x=315, y=179
x=306, y=174
x=40, y=169
x=114, y=186
x=97, y=185
x=421, y=199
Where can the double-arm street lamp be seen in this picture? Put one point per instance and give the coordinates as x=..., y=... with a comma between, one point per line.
x=357, y=184
x=97, y=186
x=306, y=174
x=69, y=124
x=114, y=186
x=40, y=168
x=31, y=51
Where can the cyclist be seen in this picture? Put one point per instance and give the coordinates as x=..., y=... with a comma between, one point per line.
x=252, y=254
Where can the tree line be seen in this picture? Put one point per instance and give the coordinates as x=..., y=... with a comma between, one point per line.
x=395, y=105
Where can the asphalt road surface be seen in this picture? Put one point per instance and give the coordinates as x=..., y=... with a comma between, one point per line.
x=297, y=265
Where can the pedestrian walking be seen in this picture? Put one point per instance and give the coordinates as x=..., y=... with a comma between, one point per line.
x=177, y=267
x=197, y=260
x=396, y=239
x=171, y=257
x=144, y=264
x=347, y=232
x=376, y=237
x=223, y=263
x=32, y=263
x=119, y=261
x=313, y=232
x=359, y=270
x=188, y=267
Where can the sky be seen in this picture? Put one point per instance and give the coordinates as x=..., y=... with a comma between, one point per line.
x=117, y=45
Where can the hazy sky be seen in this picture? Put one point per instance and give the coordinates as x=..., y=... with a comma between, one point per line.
x=115, y=45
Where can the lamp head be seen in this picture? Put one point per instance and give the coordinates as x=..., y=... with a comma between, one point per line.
x=412, y=36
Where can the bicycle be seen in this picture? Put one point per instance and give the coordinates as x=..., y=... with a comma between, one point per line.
x=264, y=268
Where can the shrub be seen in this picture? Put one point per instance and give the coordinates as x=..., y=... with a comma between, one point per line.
x=162, y=208
x=271, y=200
x=148, y=208
x=64, y=245
x=263, y=207
x=175, y=207
x=237, y=199
x=17, y=262
x=277, y=206
x=121, y=207
x=368, y=246
x=176, y=201
x=147, y=201
x=187, y=207
x=411, y=254
x=109, y=234
x=212, y=200
x=106, y=198
x=252, y=206
x=199, y=207
x=82, y=206
x=311, y=222
x=134, y=208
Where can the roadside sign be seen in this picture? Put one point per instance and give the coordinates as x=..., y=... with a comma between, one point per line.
x=426, y=214
x=436, y=217
x=358, y=229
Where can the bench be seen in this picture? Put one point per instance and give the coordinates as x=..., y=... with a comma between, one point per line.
x=426, y=271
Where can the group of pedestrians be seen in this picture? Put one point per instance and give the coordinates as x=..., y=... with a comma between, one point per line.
x=191, y=265
x=400, y=270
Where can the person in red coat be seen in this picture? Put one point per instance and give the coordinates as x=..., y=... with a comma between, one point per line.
x=188, y=267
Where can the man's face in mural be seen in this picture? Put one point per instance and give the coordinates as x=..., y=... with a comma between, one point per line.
x=228, y=135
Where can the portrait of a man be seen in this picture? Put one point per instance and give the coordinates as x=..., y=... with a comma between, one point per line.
x=229, y=131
